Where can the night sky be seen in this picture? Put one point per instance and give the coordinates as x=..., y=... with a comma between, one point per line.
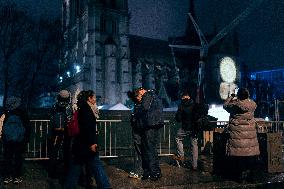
x=158, y=19
x=45, y=8
x=261, y=33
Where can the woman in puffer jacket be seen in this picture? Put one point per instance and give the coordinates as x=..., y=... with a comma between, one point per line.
x=242, y=145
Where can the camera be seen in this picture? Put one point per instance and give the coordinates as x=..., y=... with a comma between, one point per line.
x=236, y=90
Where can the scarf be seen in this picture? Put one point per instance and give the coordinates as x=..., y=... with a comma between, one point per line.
x=94, y=109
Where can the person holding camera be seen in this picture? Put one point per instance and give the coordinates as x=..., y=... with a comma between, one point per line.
x=242, y=145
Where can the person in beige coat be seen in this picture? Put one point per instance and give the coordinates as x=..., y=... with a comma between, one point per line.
x=242, y=145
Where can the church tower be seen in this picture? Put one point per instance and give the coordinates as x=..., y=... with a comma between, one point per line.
x=96, y=52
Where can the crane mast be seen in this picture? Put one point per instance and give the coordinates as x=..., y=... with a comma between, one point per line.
x=204, y=45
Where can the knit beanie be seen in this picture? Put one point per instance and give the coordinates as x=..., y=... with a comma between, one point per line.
x=64, y=94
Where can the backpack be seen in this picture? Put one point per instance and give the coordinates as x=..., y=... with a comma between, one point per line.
x=154, y=116
x=59, y=120
x=13, y=129
x=73, y=125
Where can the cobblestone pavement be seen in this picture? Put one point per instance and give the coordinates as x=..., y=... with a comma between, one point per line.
x=35, y=177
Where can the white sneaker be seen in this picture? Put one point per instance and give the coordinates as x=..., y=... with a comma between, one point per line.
x=18, y=180
x=8, y=180
x=134, y=175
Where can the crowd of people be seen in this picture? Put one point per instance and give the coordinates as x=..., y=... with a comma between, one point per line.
x=80, y=151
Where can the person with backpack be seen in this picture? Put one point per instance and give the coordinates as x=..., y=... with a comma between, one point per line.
x=149, y=115
x=15, y=135
x=85, y=145
x=59, y=140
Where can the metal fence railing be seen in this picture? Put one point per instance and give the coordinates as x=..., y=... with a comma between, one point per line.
x=116, y=141
x=37, y=148
x=108, y=129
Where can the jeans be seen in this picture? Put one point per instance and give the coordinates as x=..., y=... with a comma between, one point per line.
x=13, y=158
x=149, y=154
x=95, y=166
x=181, y=134
x=59, y=147
x=137, y=166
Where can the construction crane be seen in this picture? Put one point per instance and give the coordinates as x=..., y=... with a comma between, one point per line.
x=204, y=45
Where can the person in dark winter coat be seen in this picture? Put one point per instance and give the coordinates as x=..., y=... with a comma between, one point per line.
x=85, y=145
x=184, y=115
x=149, y=120
x=242, y=145
x=14, y=140
x=58, y=138
x=136, y=136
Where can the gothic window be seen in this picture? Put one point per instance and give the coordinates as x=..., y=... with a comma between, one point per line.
x=112, y=54
x=113, y=3
x=77, y=7
x=103, y=23
x=118, y=72
x=98, y=49
x=114, y=26
x=72, y=13
x=124, y=53
x=110, y=3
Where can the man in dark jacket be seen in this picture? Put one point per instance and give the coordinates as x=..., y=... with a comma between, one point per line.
x=149, y=115
x=136, y=136
x=15, y=135
x=58, y=137
x=184, y=115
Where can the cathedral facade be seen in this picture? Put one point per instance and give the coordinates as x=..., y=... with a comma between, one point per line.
x=97, y=53
x=97, y=48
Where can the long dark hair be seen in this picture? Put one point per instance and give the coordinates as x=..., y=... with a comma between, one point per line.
x=83, y=96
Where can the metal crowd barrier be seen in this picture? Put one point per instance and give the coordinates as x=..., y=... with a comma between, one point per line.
x=108, y=128
x=165, y=139
x=113, y=134
x=37, y=148
x=261, y=126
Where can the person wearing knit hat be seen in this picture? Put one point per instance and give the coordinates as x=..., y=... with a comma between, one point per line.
x=63, y=95
x=58, y=138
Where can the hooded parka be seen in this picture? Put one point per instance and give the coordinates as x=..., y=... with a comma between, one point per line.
x=242, y=130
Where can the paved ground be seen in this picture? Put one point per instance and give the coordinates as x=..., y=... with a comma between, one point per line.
x=173, y=177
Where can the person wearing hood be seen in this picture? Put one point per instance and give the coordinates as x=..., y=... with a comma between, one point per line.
x=184, y=115
x=242, y=147
x=15, y=136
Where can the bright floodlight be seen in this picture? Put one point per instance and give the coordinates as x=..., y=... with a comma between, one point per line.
x=77, y=68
